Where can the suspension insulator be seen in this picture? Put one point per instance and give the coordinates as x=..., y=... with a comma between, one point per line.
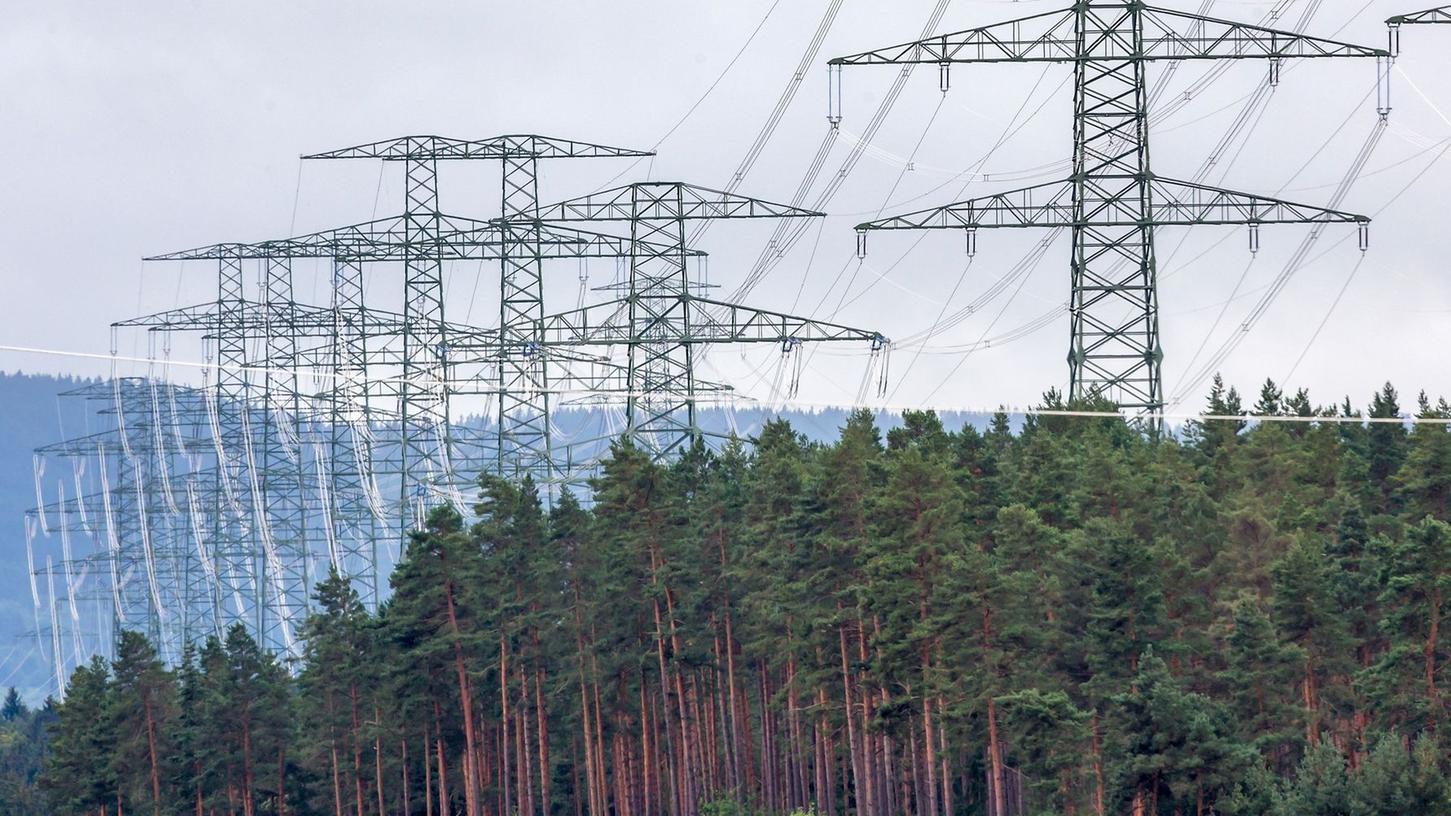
x=833, y=95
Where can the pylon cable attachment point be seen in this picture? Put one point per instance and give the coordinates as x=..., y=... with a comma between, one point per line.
x=861, y=243
x=1363, y=236
x=1254, y=238
x=944, y=76
x=971, y=239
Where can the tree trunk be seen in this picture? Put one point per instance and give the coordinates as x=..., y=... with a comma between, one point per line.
x=857, y=774
x=1432, y=637
x=546, y=806
x=1099, y=794
x=151, y=752
x=995, y=758
x=357, y=751
x=466, y=706
x=504, y=721
x=442, y=759
x=282, y=780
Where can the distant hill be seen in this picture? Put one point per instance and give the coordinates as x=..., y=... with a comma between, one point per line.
x=30, y=415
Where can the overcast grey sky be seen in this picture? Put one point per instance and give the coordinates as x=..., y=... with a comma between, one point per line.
x=136, y=128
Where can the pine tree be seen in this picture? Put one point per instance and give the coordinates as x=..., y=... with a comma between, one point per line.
x=437, y=633
x=335, y=684
x=1417, y=585
x=140, y=707
x=1178, y=746
x=1259, y=679
x=1394, y=781
x=13, y=707
x=78, y=779
x=1307, y=615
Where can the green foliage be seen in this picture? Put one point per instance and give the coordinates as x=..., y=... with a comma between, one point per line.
x=1248, y=620
x=13, y=708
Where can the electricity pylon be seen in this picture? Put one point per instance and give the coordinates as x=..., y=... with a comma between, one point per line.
x=350, y=348
x=1113, y=202
x=659, y=319
x=148, y=548
x=523, y=435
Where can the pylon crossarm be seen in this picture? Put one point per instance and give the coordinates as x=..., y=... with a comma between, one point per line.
x=1052, y=37
x=1436, y=15
x=1170, y=34
x=605, y=323
x=129, y=386
x=666, y=200
x=569, y=242
x=1042, y=205
x=1183, y=203
x=1046, y=37
x=709, y=321
x=718, y=321
x=87, y=445
x=1173, y=203
x=519, y=146
x=247, y=316
x=381, y=239
x=386, y=239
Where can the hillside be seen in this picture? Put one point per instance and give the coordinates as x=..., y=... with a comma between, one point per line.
x=32, y=417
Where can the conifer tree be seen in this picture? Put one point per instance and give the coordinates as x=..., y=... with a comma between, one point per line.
x=13, y=708
x=140, y=707
x=78, y=779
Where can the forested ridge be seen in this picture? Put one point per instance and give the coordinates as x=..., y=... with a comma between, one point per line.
x=1074, y=617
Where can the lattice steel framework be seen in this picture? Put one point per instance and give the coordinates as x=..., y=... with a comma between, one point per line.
x=140, y=515
x=1112, y=203
x=660, y=320
x=349, y=345
x=522, y=378
x=1441, y=15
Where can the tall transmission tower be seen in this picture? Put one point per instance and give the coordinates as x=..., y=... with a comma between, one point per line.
x=523, y=426
x=1113, y=202
x=146, y=542
x=659, y=319
x=351, y=349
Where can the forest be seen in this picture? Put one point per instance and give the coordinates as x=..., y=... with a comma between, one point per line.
x=1070, y=615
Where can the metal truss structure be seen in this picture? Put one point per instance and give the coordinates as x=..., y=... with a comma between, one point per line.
x=1441, y=15
x=521, y=378
x=1435, y=16
x=1113, y=203
x=221, y=504
x=140, y=507
x=659, y=318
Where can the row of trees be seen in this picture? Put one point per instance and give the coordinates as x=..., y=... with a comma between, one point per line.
x=1071, y=617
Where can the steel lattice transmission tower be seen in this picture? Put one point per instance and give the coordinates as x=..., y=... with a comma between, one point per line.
x=1113, y=202
x=523, y=418
x=659, y=318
